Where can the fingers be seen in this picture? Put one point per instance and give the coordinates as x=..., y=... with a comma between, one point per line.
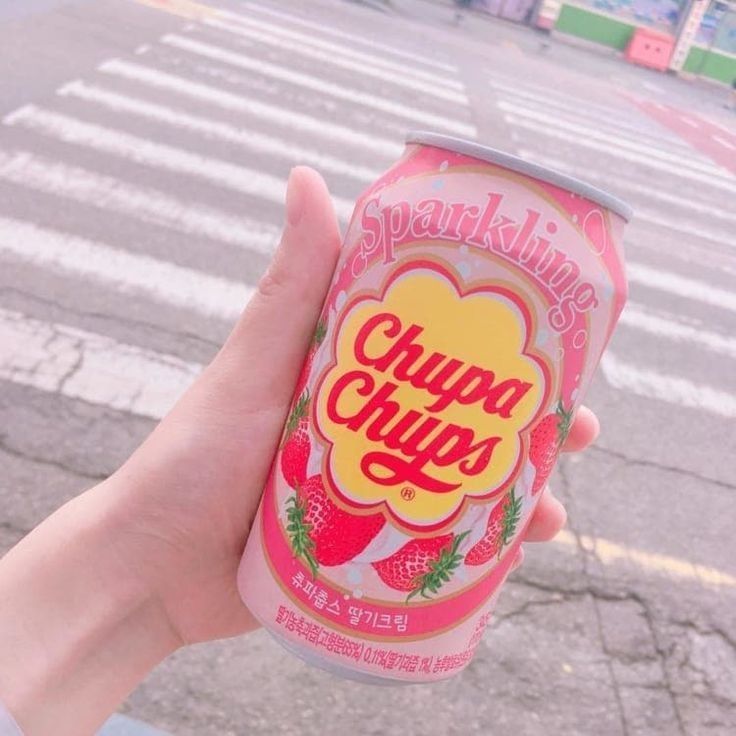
x=584, y=430
x=548, y=518
x=550, y=515
x=265, y=349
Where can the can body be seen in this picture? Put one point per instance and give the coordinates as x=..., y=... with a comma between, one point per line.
x=468, y=311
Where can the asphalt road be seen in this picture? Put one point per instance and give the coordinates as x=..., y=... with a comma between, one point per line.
x=143, y=157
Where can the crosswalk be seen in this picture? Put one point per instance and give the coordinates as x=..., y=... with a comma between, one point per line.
x=159, y=174
x=676, y=193
x=190, y=138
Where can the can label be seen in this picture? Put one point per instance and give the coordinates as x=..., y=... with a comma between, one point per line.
x=420, y=420
x=467, y=314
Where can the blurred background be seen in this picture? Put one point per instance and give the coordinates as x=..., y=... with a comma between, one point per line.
x=144, y=149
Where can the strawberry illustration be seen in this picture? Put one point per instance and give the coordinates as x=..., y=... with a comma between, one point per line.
x=422, y=566
x=546, y=440
x=321, y=532
x=296, y=445
x=500, y=530
x=319, y=335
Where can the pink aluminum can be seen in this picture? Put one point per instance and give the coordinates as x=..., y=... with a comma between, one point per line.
x=474, y=296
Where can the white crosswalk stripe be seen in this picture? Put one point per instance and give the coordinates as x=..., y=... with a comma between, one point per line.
x=215, y=129
x=677, y=328
x=382, y=60
x=129, y=273
x=142, y=151
x=540, y=117
x=89, y=367
x=320, y=85
x=681, y=286
x=724, y=183
x=356, y=40
x=291, y=120
x=631, y=187
x=565, y=105
x=594, y=132
x=89, y=188
x=392, y=77
x=667, y=387
x=673, y=222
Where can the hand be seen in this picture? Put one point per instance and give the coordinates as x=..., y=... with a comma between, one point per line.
x=121, y=576
x=189, y=494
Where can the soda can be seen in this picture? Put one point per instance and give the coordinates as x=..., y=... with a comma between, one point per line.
x=474, y=295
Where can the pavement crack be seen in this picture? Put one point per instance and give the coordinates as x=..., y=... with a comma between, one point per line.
x=611, y=671
x=662, y=655
x=74, y=368
x=103, y=316
x=527, y=605
x=40, y=460
x=641, y=462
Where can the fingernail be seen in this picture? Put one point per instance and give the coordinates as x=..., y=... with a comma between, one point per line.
x=294, y=200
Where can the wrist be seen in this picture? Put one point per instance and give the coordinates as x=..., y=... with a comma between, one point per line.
x=78, y=629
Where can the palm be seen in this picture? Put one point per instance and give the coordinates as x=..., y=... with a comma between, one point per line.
x=209, y=471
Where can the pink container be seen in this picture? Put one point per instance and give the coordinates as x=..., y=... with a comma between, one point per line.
x=474, y=296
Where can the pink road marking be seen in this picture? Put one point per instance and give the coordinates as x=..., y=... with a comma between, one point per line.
x=707, y=137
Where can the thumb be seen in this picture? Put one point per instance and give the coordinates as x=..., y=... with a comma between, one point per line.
x=260, y=360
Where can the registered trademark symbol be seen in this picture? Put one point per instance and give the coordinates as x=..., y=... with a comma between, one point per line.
x=408, y=493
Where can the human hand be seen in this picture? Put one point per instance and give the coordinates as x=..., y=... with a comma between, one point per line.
x=186, y=499
x=118, y=578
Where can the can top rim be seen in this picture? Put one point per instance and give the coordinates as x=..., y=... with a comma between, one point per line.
x=515, y=163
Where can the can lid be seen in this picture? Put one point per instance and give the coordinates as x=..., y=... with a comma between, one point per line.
x=508, y=161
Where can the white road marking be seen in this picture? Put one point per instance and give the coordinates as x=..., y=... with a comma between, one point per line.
x=683, y=226
x=142, y=203
x=622, y=184
x=610, y=553
x=647, y=152
x=129, y=273
x=724, y=142
x=684, y=252
x=547, y=97
x=577, y=114
x=293, y=121
x=677, y=329
x=320, y=85
x=143, y=151
x=330, y=57
x=142, y=49
x=215, y=129
x=83, y=365
x=672, y=283
x=372, y=60
x=674, y=390
x=616, y=151
x=354, y=38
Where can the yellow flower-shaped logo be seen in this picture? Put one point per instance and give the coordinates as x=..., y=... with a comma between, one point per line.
x=428, y=396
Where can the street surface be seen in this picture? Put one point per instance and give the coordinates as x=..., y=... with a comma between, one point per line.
x=143, y=158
